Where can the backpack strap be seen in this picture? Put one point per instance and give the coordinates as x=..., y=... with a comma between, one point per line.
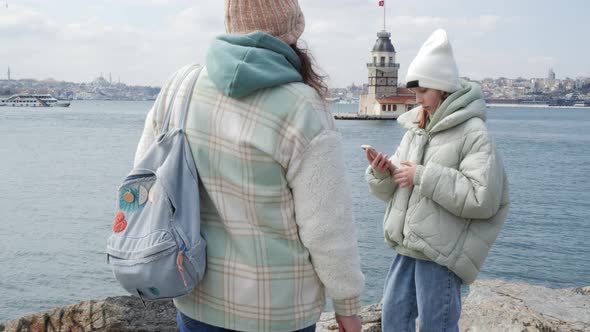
x=168, y=113
x=187, y=101
x=184, y=110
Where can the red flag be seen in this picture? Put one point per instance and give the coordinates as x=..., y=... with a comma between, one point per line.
x=382, y=3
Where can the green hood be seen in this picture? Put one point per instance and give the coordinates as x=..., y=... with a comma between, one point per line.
x=239, y=65
x=454, y=110
x=464, y=104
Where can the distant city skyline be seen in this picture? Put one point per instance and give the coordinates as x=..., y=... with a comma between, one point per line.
x=358, y=84
x=143, y=41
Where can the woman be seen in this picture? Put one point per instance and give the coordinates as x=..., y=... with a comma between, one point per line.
x=447, y=194
x=275, y=211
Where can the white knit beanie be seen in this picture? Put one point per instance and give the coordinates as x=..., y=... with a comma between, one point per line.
x=280, y=18
x=434, y=67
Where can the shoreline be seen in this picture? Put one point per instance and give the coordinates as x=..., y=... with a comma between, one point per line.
x=533, y=106
x=491, y=305
x=506, y=105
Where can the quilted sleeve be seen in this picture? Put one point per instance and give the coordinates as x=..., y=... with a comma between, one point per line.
x=380, y=184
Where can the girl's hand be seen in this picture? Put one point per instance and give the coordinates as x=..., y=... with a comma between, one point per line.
x=380, y=163
x=349, y=323
x=404, y=177
x=370, y=152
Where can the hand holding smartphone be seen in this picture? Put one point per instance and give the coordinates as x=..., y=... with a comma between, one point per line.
x=377, y=160
x=371, y=150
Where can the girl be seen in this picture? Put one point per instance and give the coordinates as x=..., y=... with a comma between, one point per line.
x=446, y=191
x=268, y=154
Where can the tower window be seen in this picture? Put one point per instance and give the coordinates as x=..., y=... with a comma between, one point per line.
x=374, y=60
x=382, y=60
x=384, y=107
x=390, y=59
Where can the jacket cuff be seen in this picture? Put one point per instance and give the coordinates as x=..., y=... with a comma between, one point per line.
x=347, y=307
x=380, y=175
x=418, y=175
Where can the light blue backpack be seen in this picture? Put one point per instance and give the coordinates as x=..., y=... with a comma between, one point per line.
x=156, y=250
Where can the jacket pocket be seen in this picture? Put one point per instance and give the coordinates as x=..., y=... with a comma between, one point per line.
x=393, y=224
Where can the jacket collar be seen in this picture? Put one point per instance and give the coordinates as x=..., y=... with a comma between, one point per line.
x=459, y=107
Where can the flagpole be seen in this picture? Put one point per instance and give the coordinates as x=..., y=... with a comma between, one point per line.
x=384, y=4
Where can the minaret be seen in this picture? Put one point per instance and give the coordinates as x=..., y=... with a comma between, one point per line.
x=8, y=73
x=110, y=78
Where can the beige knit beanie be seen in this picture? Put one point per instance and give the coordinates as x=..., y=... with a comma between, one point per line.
x=280, y=18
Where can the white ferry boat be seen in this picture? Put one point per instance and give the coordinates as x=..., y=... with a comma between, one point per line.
x=36, y=100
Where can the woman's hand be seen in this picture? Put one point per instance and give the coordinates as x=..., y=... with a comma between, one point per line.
x=371, y=154
x=349, y=323
x=380, y=163
x=404, y=177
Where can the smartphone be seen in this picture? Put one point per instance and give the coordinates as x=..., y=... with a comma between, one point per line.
x=371, y=150
x=373, y=153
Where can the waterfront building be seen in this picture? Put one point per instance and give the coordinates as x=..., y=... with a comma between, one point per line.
x=551, y=82
x=551, y=75
x=384, y=99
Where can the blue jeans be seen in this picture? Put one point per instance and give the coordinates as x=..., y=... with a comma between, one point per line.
x=421, y=289
x=187, y=324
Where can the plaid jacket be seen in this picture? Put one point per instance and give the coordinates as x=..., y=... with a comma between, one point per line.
x=275, y=209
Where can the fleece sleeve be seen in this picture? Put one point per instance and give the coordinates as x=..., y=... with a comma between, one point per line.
x=474, y=190
x=156, y=114
x=323, y=212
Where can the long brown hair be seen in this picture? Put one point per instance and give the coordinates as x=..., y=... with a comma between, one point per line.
x=422, y=119
x=424, y=115
x=310, y=76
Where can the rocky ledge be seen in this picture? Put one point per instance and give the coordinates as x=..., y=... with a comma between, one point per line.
x=492, y=305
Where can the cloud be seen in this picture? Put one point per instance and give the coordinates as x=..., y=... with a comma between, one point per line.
x=22, y=22
x=544, y=60
x=202, y=19
x=342, y=45
x=143, y=3
x=489, y=22
x=80, y=49
x=143, y=41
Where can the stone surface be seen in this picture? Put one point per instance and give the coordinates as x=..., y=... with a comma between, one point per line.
x=115, y=314
x=496, y=305
x=371, y=317
x=492, y=305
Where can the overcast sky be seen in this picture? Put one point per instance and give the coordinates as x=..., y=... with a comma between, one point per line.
x=144, y=41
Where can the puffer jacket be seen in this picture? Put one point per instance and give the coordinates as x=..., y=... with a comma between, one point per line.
x=459, y=201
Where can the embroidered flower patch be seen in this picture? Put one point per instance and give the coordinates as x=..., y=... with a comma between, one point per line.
x=128, y=199
x=120, y=223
